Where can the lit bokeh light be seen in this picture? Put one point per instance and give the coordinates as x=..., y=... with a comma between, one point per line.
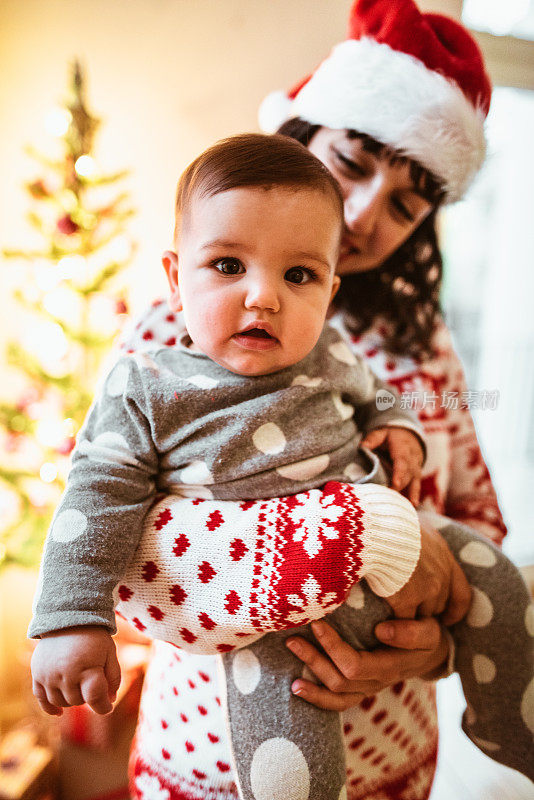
x=119, y=249
x=47, y=341
x=71, y=267
x=57, y=121
x=85, y=166
x=49, y=432
x=63, y=304
x=48, y=472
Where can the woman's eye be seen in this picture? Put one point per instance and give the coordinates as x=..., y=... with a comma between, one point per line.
x=403, y=210
x=228, y=266
x=348, y=164
x=298, y=275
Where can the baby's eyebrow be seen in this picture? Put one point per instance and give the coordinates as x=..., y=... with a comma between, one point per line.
x=224, y=243
x=306, y=255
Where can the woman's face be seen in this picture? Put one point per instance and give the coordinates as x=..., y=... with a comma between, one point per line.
x=382, y=205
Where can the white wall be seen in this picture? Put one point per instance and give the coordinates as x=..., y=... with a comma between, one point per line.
x=168, y=77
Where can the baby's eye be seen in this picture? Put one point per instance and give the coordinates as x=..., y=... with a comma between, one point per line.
x=229, y=266
x=299, y=275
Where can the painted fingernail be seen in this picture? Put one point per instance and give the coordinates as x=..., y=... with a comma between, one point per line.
x=385, y=631
x=297, y=688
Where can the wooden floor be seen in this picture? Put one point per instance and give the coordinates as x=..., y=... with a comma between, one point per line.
x=464, y=773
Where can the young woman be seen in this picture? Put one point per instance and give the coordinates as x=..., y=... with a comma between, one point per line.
x=396, y=113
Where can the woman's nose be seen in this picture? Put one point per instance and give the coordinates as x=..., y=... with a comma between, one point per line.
x=262, y=294
x=362, y=209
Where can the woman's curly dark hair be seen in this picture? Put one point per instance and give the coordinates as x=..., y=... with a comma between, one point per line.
x=405, y=290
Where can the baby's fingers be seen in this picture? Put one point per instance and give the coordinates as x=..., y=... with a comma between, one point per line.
x=375, y=438
x=414, y=492
x=94, y=689
x=72, y=694
x=401, y=473
x=40, y=695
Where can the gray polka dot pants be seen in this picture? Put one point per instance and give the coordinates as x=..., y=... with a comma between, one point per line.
x=286, y=748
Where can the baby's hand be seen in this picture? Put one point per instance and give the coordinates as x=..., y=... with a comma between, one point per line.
x=75, y=666
x=406, y=454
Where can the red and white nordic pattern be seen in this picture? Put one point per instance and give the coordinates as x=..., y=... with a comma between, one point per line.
x=248, y=563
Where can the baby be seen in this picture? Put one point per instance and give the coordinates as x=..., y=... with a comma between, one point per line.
x=257, y=399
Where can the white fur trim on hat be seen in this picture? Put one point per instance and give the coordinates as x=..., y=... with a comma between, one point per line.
x=369, y=87
x=273, y=111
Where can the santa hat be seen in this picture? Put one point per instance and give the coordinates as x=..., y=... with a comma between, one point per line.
x=413, y=81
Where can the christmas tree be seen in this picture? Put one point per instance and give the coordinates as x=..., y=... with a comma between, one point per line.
x=68, y=286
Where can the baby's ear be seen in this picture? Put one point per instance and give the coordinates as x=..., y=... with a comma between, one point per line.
x=169, y=260
x=336, y=283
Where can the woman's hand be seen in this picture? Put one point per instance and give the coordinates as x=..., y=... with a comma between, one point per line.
x=418, y=649
x=437, y=586
x=407, y=456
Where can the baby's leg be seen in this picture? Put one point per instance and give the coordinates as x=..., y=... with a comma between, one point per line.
x=494, y=650
x=285, y=743
x=282, y=746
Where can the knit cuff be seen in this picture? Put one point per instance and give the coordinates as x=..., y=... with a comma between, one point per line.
x=392, y=538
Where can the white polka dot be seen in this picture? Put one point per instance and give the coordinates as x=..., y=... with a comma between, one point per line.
x=246, y=671
x=305, y=380
x=269, y=439
x=202, y=381
x=470, y=716
x=108, y=447
x=529, y=620
x=116, y=382
x=356, y=598
x=481, y=611
x=279, y=771
x=68, y=525
x=353, y=472
x=341, y=352
x=308, y=675
x=343, y=794
x=304, y=470
x=484, y=668
x=478, y=554
x=345, y=410
x=196, y=472
x=527, y=706
x=490, y=747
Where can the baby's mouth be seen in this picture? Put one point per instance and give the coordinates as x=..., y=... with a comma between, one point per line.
x=257, y=333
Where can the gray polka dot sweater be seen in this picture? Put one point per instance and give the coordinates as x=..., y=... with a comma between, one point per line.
x=171, y=420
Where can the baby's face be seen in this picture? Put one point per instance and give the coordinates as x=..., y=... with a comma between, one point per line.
x=255, y=274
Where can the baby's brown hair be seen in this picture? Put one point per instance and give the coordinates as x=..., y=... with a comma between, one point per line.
x=253, y=160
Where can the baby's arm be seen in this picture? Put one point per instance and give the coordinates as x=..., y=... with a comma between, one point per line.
x=93, y=536
x=390, y=427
